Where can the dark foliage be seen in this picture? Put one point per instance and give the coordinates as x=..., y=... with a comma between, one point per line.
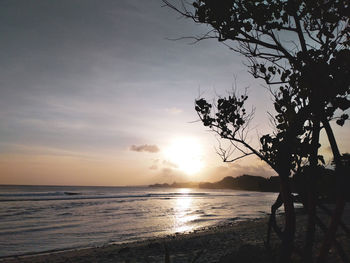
x=301, y=50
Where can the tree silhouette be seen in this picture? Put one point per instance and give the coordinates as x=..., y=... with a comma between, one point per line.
x=301, y=49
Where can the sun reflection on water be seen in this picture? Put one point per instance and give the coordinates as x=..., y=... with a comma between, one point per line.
x=183, y=207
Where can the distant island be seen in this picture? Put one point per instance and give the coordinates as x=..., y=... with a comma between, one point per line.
x=243, y=182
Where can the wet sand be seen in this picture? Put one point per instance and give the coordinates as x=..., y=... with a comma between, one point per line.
x=234, y=242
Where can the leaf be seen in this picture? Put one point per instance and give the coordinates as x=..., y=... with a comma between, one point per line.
x=340, y=122
x=320, y=158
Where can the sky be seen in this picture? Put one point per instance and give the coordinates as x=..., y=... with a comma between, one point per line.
x=96, y=93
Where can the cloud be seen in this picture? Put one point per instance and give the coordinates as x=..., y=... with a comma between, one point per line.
x=174, y=110
x=169, y=175
x=144, y=148
x=250, y=167
x=167, y=171
x=258, y=168
x=153, y=167
x=169, y=164
x=164, y=165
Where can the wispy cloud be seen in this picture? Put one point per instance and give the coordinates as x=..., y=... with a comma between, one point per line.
x=169, y=164
x=153, y=167
x=164, y=165
x=144, y=148
x=169, y=175
x=174, y=110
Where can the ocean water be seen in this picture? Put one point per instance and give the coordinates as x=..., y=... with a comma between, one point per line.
x=47, y=218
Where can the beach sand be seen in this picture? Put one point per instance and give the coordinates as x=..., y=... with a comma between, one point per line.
x=234, y=242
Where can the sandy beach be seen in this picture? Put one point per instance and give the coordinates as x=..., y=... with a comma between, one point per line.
x=234, y=242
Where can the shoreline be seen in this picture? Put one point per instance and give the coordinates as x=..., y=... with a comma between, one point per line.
x=237, y=241
x=241, y=241
x=154, y=248
x=160, y=237
x=117, y=217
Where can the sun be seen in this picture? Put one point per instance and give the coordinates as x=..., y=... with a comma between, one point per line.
x=186, y=154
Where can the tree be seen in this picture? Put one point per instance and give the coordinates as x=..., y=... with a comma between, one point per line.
x=229, y=119
x=311, y=74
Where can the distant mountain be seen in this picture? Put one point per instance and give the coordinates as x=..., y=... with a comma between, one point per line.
x=244, y=182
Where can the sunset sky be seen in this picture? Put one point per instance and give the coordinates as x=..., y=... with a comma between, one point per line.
x=94, y=93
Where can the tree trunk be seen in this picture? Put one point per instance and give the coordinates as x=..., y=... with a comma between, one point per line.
x=332, y=229
x=272, y=221
x=340, y=201
x=283, y=164
x=289, y=230
x=341, y=223
x=337, y=245
x=311, y=178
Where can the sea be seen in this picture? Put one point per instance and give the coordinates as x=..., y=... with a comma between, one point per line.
x=37, y=219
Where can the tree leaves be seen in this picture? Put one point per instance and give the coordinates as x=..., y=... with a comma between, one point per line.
x=342, y=119
x=229, y=118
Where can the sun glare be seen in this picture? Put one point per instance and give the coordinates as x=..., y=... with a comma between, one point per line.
x=186, y=154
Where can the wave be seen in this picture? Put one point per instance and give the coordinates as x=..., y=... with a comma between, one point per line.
x=56, y=196
x=209, y=215
x=245, y=194
x=234, y=218
x=177, y=194
x=38, y=228
x=72, y=193
x=21, y=194
x=201, y=220
x=92, y=215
